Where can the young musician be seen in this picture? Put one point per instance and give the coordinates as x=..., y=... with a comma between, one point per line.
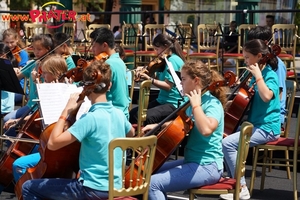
x=265, y=33
x=41, y=44
x=16, y=47
x=93, y=180
x=52, y=68
x=203, y=158
x=103, y=42
x=169, y=96
x=266, y=119
x=65, y=48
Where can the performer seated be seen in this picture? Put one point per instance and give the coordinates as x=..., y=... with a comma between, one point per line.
x=169, y=96
x=203, y=158
x=93, y=180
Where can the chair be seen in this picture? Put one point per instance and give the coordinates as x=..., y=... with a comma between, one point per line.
x=136, y=176
x=129, y=41
x=144, y=95
x=32, y=29
x=230, y=185
x=282, y=144
x=242, y=39
x=69, y=29
x=92, y=27
x=290, y=98
x=185, y=33
x=208, y=44
x=285, y=36
x=130, y=82
x=151, y=31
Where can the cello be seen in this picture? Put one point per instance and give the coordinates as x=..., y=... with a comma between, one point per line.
x=62, y=163
x=235, y=112
x=30, y=130
x=171, y=136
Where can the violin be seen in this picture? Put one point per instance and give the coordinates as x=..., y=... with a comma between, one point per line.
x=170, y=137
x=235, y=112
x=62, y=163
x=16, y=54
x=156, y=65
x=102, y=56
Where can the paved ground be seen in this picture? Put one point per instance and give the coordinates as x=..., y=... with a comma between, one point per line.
x=277, y=186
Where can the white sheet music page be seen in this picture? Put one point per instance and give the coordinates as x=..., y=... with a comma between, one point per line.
x=175, y=77
x=53, y=98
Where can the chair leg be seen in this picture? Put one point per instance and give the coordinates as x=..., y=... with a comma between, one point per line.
x=191, y=195
x=270, y=160
x=263, y=171
x=288, y=170
x=295, y=160
x=253, y=174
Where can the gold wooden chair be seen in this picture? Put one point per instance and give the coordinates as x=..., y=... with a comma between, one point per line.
x=285, y=36
x=95, y=26
x=230, y=185
x=129, y=42
x=136, y=177
x=130, y=82
x=69, y=29
x=208, y=45
x=151, y=31
x=185, y=33
x=242, y=39
x=32, y=29
x=282, y=144
x=144, y=95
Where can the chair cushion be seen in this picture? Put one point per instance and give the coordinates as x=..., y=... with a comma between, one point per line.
x=233, y=55
x=203, y=54
x=285, y=55
x=289, y=142
x=125, y=198
x=290, y=73
x=145, y=52
x=224, y=183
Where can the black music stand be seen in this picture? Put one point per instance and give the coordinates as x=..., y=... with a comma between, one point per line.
x=8, y=79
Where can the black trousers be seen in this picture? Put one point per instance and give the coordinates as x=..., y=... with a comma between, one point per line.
x=156, y=112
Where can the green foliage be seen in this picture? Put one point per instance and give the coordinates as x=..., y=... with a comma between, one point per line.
x=25, y=4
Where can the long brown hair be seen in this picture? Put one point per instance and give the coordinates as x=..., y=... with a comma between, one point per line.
x=196, y=68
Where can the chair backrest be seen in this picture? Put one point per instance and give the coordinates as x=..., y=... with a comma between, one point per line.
x=208, y=38
x=95, y=26
x=243, y=148
x=150, y=32
x=130, y=37
x=130, y=83
x=32, y=29
x=144, y=94
x=185, y=33
x=92, y=27
x=243, y=30
x=285, y=36
x=138, y=171
x=290, y=98
x=69, y=29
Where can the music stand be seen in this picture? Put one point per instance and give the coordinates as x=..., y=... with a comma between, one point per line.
x=8, y=78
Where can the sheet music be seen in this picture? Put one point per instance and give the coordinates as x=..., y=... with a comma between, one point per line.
x=175, y=77
x=53, y=98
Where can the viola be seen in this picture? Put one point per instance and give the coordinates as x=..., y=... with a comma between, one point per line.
x=62, y=163
x=171, y=136
x=235, y=112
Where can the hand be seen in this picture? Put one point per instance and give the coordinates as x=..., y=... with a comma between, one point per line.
x=10, y=123
x=72, y=103
x=148, y=127
x=195, y=97
x=255, y=70
x=34, y=74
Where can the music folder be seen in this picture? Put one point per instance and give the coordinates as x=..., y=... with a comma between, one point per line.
x=8, y=78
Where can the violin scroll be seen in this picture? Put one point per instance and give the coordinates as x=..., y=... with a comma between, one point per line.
x=229, y=80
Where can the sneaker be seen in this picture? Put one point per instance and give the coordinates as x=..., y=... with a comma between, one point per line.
x=244, y=195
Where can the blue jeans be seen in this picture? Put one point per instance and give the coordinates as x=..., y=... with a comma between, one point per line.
x=60, y=189
x=21, y=164
x=16, y=113
x=230, y=146
x=177, y=176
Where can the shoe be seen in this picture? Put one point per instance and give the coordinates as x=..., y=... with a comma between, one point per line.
x=244, y=195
